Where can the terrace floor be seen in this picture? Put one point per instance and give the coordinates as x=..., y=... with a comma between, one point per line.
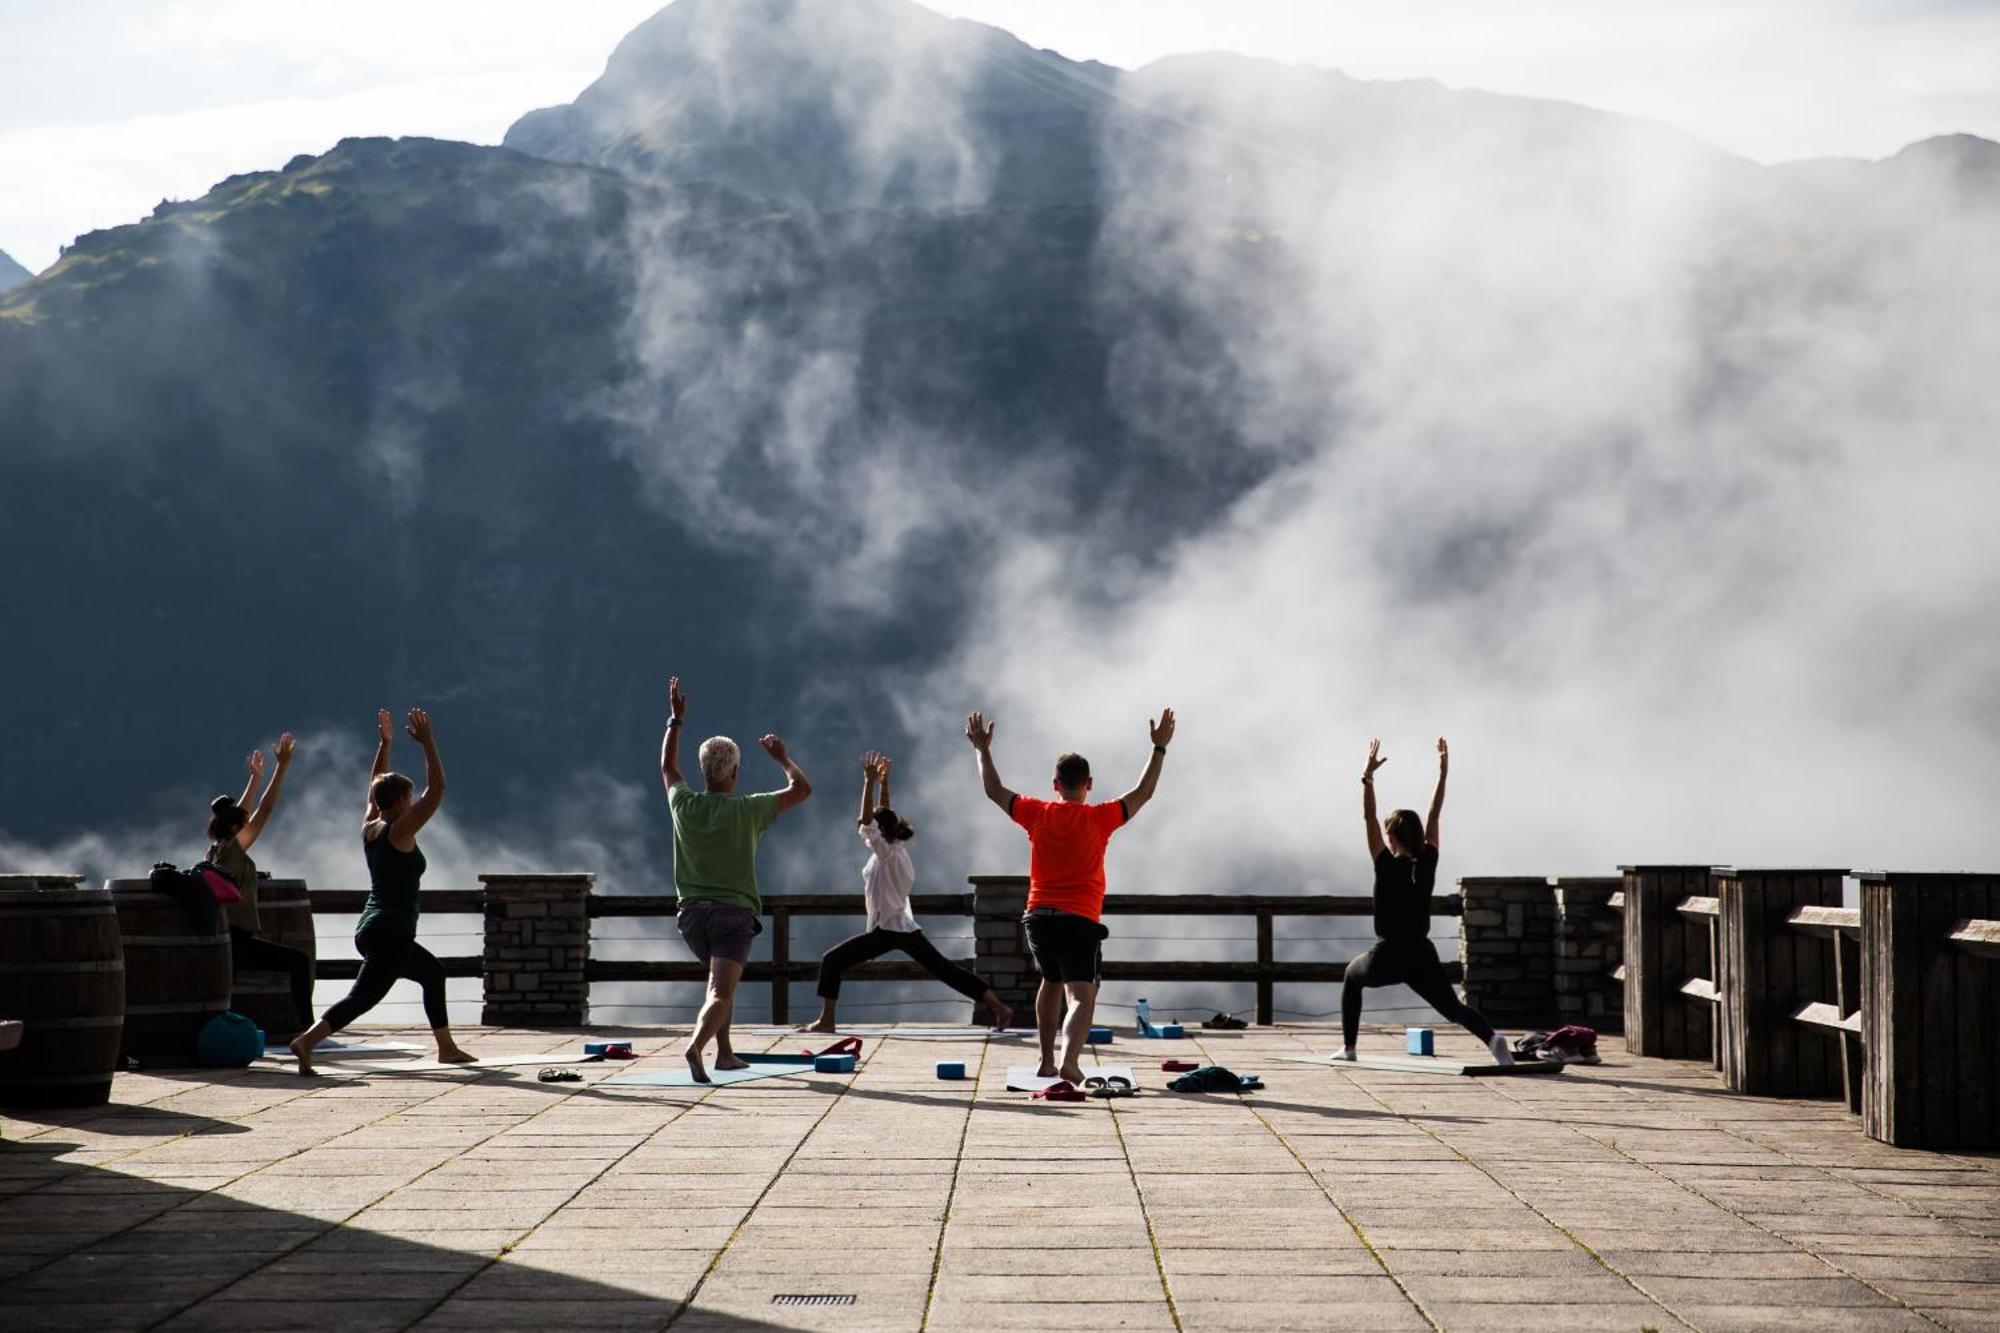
x=1632, y=1195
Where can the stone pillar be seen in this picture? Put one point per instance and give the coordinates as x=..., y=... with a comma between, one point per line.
x=1590, y=944
x=537, y=950
x=1507, y=944
x=1000, y=946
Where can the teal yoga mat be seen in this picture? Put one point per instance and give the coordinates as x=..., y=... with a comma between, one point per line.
x=681, y=1078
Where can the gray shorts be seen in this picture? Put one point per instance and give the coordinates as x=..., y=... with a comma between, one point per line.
x=718, y=930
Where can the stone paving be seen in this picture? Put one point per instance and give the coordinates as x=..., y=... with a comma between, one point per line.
x=1634, y=1195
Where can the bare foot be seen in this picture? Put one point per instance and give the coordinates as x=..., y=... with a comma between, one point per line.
x=1003, y=1016
x=1075, y=1076
x=1345, y=1053
x=825, y=1025
x=730, y=1062
x=695, y=1070
x=454, y=1056
x=1046, y=1069
x=303, y=1052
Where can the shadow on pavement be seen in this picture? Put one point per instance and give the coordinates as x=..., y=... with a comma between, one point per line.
x=87, y=1248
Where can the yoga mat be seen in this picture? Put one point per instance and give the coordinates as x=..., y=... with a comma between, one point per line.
x=876, y=1030
x=1023, y=1078
x=514, y=1062
x=681, y=1078
x=1417, y=1064
x=383, y=1050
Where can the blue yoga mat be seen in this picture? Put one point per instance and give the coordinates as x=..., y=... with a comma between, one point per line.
x=681, y=1078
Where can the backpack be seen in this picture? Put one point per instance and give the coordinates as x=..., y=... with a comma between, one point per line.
x=191, y=890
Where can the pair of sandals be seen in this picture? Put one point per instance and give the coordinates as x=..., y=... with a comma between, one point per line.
x=1097, y=1085
x=1224, y=1023
x=554, y=1075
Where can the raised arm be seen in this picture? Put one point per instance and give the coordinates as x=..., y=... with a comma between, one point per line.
x=385, y=731
x=250, y=831
x=670, y=744
x=1162, y=733
x=1374, y=825
x=255, y=762
x=403, y=833
x=797, y=785
x=1437, y=797
x=882, y=767
x=980, y=732
x=870, y=764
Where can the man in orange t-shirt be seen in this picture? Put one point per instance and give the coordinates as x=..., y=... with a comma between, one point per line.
x=1066, y=841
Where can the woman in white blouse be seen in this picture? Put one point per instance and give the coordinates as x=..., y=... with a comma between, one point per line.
x=886, y=881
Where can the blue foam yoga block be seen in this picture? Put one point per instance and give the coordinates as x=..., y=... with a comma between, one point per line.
x=833, y=1064
x=1420, y=1041
x=1171, y=1030
x=595, y=1047
x=1100, y=1036
x=951, y=1069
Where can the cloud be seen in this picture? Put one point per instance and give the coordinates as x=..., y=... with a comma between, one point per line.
x=1655, y=485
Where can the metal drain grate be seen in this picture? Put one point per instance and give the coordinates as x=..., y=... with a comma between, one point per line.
x=813, y=1298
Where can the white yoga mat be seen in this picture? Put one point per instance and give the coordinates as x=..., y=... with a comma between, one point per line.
x=1023, y=1078
x=1431, y=1064
x=681, y=1078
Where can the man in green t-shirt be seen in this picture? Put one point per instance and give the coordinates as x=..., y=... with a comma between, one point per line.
x=715, y=867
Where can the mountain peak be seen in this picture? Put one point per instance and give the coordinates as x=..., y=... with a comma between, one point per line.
x=839, y=103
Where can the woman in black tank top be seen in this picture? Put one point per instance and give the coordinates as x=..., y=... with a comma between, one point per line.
x=386, y=934
x=1404, y=850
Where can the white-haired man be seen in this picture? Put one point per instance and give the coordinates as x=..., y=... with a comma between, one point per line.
x=715, y=867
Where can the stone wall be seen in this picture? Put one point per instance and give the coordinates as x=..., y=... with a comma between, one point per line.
x=1507, y=946
x=1590, y=944
x=537, y=950
x=1000, y=946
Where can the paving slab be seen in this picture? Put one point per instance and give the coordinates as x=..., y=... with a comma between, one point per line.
x=1636, y=1194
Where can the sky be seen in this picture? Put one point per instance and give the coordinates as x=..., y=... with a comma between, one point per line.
x=109, y=106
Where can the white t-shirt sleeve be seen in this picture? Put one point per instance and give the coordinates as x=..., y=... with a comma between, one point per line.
x=872, y=835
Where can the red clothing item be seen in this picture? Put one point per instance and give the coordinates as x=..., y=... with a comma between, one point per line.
x=1066, y=841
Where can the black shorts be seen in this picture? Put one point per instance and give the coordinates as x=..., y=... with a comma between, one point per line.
x=1066, y=947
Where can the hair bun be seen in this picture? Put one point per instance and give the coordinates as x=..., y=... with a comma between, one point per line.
x=222, y=805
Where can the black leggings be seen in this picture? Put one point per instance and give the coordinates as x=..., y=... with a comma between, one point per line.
x=1412, y=963
x=873, y=944
x=389, y=955
x=253, y=953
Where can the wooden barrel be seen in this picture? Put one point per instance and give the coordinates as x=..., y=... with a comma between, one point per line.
x=62, y=973
x=284, y=913
x=176, y=974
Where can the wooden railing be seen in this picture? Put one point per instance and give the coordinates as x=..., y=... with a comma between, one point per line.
x=1894, y=1006
x=1263, y=972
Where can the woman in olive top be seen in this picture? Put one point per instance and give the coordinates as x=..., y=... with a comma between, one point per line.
x=386, y=934
x=232, y=829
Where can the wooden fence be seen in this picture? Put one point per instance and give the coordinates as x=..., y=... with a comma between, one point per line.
x=994, y=907
x=1893, y=1005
